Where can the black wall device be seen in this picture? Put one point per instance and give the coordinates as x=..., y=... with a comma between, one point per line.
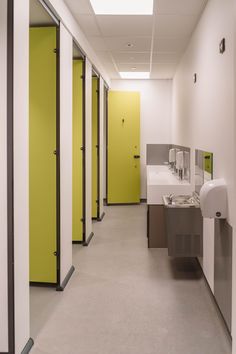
x=222, y=46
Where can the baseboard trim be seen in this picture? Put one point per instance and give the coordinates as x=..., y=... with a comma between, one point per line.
x=43, y=285
x=122, y=204
x=102, y=216
x=77, y=242
x=214, y=301
x=66, y=280
x=87, y=242
x=28, y=346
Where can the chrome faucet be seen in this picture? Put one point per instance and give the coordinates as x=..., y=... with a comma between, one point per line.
x=171, y=196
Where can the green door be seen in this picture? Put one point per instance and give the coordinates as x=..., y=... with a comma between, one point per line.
x=42, y=160
x=77, y=228
x=95, y=147
x=123, y=177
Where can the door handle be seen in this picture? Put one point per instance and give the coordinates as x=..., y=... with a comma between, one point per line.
x=136, y=156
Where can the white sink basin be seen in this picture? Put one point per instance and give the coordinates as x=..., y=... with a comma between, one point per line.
x=161, y=181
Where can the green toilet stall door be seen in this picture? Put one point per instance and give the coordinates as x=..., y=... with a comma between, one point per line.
x=123, y=147
x=42, y=160
x=95, y=118
x=77, y=230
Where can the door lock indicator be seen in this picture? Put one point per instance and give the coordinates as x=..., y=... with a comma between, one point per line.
x=137, y=156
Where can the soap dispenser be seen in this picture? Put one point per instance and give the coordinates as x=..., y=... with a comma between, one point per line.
x=213, y=199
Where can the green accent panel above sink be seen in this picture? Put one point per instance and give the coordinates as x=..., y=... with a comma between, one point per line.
x=208, y=162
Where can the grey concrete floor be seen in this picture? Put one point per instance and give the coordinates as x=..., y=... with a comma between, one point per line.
x=127, y=299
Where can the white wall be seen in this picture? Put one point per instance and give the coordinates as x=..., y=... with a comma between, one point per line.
x=66, y=53
x=203, y=113
x=88, y=147
x=155, y=120
x=3, y=179
x=21, y=171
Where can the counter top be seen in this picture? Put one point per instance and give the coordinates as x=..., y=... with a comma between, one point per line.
x=161, y=181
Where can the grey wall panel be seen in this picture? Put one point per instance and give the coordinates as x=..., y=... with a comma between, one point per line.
x=157, y=154
x=223, y=269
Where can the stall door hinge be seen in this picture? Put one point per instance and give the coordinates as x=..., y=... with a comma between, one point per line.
x=55, y=50
x=56, y=254
x=56, y=152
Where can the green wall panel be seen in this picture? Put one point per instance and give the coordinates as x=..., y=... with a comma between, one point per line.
x=77, y=152
x=42, y=161
x=123, y=144
x=208, y=162
x=94, y=147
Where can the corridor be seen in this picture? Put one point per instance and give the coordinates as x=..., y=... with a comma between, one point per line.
x=127, y=299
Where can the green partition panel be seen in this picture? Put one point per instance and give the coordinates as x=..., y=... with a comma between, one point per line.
x=123, y=147
x=77, y=230
x=42, y=160
x=95, y=147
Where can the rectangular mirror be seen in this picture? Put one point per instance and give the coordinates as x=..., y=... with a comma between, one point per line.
x=203, y=168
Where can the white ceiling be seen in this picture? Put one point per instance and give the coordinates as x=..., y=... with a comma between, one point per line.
x=157, y=41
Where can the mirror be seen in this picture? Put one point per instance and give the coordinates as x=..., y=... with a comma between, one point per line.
x=203, y=168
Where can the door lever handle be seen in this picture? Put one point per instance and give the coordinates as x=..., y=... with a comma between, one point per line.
x=136, y=156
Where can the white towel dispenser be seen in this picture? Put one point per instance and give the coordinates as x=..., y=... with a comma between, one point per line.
x=172, y=156
x=180, y=160
x=213, y=199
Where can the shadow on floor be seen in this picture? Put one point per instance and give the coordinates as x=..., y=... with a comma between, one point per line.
x=185, y=268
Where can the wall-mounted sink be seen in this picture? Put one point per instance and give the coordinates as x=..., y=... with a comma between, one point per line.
x=176, y=201
x=161, y=181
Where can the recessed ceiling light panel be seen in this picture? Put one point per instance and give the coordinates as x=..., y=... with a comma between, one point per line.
x=134, y=75
x=122, y=7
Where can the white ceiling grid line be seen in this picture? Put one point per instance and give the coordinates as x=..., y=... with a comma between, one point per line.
x=140, y=42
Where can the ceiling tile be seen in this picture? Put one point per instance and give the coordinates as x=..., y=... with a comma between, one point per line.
x=97, y=43
x=125, y=25
x=169, y=57
x=105, y=57
x=88, y=25
x=127, y=57
x=109, y=36
x=81, y=7
x=163, y=70
x=114, y=75
x=170, y=44
x=139, y=44
x=180, y=7
x=129, y=67
x=175, y=26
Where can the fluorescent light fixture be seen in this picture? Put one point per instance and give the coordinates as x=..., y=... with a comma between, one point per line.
x=122, y=7
x=134, y=75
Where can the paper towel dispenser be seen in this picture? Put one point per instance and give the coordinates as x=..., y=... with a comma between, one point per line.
x=172, y=155
x=213, y=199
